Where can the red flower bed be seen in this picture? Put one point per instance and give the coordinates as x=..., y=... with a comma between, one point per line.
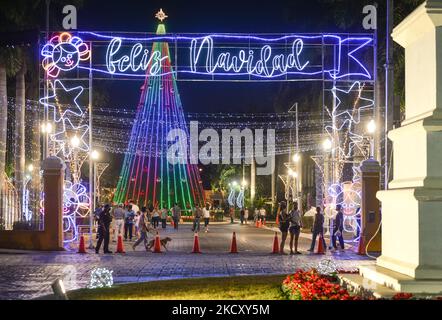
x=310, y=285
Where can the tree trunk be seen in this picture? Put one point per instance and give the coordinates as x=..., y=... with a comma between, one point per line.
x=35, y=160
x=20, y=104
x=3, y=123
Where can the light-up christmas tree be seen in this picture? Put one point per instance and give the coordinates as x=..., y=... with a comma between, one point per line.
x=147, y=177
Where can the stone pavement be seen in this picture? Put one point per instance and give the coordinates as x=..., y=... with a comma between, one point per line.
x=27, y=275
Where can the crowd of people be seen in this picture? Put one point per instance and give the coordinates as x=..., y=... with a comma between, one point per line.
x=135, y=224
x=290, y=222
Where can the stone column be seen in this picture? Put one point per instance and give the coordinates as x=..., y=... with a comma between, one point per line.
x=53, y=177
x=411, y=257
x=370, y=213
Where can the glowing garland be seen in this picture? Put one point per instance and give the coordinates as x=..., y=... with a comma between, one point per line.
x=263, y=63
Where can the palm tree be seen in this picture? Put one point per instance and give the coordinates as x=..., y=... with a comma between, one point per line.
x=3, y=122
x=20, y=102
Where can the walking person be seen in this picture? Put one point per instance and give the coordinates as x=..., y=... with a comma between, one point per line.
x=176, y=215
x=104, y=222
x=118, y=214
x=295, y=228
x=246, y=216
x=143, y=229
x=318, y=229
x=196, y=219
x=137, y=223
x=263, y=213
x=164, y=218
x=129, y=223
x=206, y=216
x=284, y=222
x=338, y=228
x=241, y=215
x=232, y=214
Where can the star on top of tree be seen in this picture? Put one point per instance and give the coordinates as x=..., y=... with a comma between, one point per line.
x=160, y=15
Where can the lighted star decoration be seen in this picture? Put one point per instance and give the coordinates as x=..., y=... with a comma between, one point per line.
x=63, y=53
x=69, y=130
x=346, y=117
x=160, y=15
x=59, y=89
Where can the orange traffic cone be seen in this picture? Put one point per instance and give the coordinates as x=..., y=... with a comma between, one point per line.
x=256, y=223
x=275, y=244
x=259, y=223
x=361, y=247
x=157, y=244
x=81, y=247
x=233, y=247
x=196, y=244
x=120, y=247
x=321, y=249
x=277, y=219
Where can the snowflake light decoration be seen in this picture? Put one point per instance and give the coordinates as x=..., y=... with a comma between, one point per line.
x=63, y=52
x=101, y=278
x=327, y=267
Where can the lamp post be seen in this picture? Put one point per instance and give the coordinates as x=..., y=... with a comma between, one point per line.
x=371, y=129
x=94, y=157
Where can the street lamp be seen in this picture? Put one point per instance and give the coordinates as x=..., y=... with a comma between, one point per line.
x=371, y=129
x=292, y=173
x=244, y=183
x=296, y=157
x=327, y=144
x=94, y=156
x=234, y=184
x=75, y=141
x=30, y=167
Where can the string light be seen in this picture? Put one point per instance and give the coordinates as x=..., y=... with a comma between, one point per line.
x=260, y=60
x=101, y=278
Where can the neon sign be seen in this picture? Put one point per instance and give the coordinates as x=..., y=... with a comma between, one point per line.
x=214, y=56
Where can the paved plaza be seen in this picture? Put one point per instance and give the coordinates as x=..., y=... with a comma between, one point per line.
x=28, y=275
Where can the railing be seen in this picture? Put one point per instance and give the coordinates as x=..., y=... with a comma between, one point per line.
x=12, y=217
x=9, y=205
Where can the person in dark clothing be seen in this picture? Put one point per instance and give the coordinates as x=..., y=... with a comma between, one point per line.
x=338, y=228
x=284, y=223
x=129, y=222
x=318, y=229
x=241, y=215
x=104, y=221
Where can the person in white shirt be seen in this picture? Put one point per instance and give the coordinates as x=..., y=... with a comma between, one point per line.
x=246, y=216
x=262, y=214
x=156, y=217
x=295, y=227
x=118, y=216
x=206, y=216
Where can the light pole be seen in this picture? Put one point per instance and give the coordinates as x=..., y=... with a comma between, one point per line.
x=371, y=129
x=94, y=157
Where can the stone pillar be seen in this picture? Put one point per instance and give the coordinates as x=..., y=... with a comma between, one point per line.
x=370, y=206
x=53, y=179
x=411, y=257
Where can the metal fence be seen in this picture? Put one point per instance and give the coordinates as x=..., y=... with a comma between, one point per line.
x=19, y=211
